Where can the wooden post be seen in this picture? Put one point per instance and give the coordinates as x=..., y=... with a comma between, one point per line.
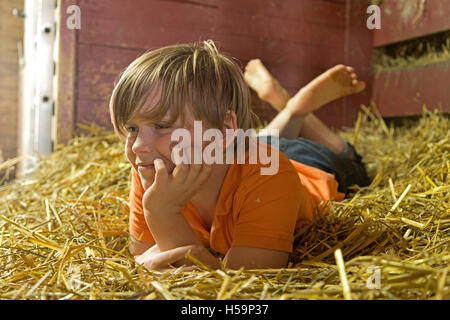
x=66, y=76
x=358, y=53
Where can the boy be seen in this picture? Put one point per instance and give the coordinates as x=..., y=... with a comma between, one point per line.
x=245, y=217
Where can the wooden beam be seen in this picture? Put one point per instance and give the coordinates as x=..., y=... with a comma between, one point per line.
x=66, y=77
x=404, y=92
x=407, y=19
x=358, y=54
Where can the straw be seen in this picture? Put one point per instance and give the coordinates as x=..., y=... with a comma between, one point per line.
x=63, y=230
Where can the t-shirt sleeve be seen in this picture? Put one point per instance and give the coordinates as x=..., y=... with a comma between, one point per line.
x=138, y=226
x=269, y=212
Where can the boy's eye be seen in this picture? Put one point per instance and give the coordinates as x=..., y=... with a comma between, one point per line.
x=160, y=126
x=131, y=129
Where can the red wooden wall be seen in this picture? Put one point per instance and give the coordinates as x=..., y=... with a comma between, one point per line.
x=403, y=92
x=296, y=39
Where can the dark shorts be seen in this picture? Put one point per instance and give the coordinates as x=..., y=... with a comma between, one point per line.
x=346, y=171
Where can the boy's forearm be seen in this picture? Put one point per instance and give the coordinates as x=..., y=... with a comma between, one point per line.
x=202, y=254
x=170, y=228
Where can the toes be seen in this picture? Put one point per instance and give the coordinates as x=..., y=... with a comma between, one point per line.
x=252, y=64
x=358, y=85
x=255, y=61
x=354, y=76
x=339, y=67
x=350, y=69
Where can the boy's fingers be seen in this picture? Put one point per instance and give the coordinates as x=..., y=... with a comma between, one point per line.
x=177, y=159
x=204, y=173
x=161, y=174
x=168, y=257
x=191, y=268
x=196, y=165
x=187, y=171
x=181, y=171
x=139, y=259
x=194, y=171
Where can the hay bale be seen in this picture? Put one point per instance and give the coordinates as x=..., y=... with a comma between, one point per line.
x=63, y=232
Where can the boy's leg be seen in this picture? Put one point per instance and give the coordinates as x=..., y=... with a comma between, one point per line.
x=295, y=117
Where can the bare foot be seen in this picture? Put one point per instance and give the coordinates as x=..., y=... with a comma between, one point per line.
x=266, y=86
x=335, y=83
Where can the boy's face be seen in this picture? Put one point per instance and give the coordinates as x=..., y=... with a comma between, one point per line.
x=148, y=141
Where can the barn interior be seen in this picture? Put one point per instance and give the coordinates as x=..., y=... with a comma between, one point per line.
x=65, y=181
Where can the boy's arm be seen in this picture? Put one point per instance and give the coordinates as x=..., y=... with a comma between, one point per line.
x=137, y=247
x=236, y=258
x=263, y=234
x=164, y=199
x=255, y=258
x=170, y=228
x=240, y=257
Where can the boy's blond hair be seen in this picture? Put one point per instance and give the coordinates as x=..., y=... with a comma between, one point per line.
x=194, y=75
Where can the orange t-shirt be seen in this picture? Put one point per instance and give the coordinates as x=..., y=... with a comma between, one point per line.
x=253, y=210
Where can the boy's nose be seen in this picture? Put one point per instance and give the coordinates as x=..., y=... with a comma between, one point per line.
x=143, y=143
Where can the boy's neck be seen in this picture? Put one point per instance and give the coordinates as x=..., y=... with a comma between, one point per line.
x=205, y=200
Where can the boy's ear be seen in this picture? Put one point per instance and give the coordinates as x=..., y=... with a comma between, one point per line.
x=230, y=128
x=230, y=120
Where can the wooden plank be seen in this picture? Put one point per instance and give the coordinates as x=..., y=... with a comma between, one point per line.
x=99, y=85
x=358, y=54
x=406, y=19
x=310, y=11
x=293, y=59
x=117, y=25
x=66, y=78
x=95, y=86
x=95, y=111
x=104, y=59
x=313, y=11
x=99, y=66
x=404, y=92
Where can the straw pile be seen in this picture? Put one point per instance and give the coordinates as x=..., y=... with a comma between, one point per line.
x=63, y=233
x=413, y=53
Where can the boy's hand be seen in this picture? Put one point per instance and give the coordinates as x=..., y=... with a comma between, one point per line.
x=171, y=192
x=154, y=259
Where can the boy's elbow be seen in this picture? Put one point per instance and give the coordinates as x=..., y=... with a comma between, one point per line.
x=137, y=247
x=132, y=250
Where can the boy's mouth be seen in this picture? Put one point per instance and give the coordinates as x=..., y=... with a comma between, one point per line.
x=147, y=167
x=143, y=168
